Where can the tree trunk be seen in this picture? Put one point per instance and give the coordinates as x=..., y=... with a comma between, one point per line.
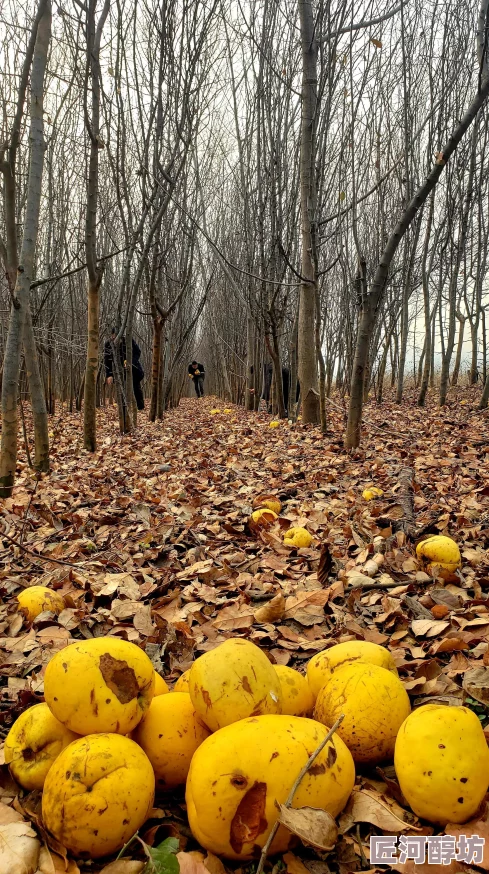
x=25, y=273
x=39, y=411
x=458, y=359
x=155, y=368
x=94, y=36
x=307, y=354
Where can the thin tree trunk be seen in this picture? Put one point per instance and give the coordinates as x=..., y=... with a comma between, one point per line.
x=458, y=358
x=307, y=353
x=39, y=411
x=92, y=125
x=25, y=273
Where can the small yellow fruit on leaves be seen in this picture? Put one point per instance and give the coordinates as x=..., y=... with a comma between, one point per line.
x=102, y=684
x=375, y=705
x=322, y=666
x=169, y=735
x=233, y=681
x=227, y=410
x=371, y=493
x=439, y=550
x=274, y=424
x=213, y=412
x=38, y=599
x=442, y=763
x=98, y=793
x=33, y=744
x=297, y=698
x=269, y=502
x=262, y=518
x=182, y=683
x=160, y=686
x=240, y=773
x=298, y=537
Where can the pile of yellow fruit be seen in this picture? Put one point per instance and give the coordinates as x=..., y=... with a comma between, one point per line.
x=237, y=731
x=267, y=513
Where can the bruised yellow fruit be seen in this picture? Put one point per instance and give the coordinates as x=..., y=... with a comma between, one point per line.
x=160, y=686
x=371, y=493
x=103, y=684
x=169, y=735
x=239, y=773
x=274, y=424
x=233, y=681
x=263, y=518
x=322, y=666
x=182, y=683
x=374, y=703
x=442, y=763
x=297, y=699
x=98, y=793
x=439, y=550
x=298, y=537
x=33, y=743
x=38, y=599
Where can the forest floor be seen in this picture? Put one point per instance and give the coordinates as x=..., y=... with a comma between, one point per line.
x=147, y=539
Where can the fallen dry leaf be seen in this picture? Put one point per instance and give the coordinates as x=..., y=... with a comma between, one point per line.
x=50, y=863
x=19, y=849
x=294, y=865
x=476, y=684
x=369, y=806
x=271, y=612
x=311, y=825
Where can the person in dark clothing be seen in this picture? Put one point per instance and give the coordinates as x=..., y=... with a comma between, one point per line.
x=137, y=367
x=197, y=373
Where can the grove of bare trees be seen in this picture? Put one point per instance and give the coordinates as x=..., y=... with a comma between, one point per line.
x=295, y=193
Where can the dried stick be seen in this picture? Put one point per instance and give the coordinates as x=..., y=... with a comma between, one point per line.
x=292, y=792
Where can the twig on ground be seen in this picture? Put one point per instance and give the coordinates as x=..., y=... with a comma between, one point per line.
x=40, y=555
x=292, y=792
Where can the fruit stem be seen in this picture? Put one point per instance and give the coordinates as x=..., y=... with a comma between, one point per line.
x=292, y=792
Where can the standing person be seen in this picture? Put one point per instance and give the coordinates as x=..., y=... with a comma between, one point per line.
x=137, y=367
x=197, y=373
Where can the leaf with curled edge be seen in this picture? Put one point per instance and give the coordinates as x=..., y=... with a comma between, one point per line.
x=312, y=825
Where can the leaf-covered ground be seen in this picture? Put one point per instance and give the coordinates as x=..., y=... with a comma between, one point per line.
x=148, y=539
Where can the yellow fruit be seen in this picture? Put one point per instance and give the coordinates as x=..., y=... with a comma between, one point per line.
x=160, y=686
x=98, y=793
x=263, y=518
x=371, y=493
x=274, y=424
x=213, y=412
x=238, y=774
x=182, y=683
x=298, y=537
x=103, y=684
x=227, y=410
x=272, y=504
x=297, y=699
x=233, y=681
x=375, y=705
x=442, y=763
x=322, y=666
x=439, y=550
x=169, y=735
x=37, y=599
x=33, y=743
